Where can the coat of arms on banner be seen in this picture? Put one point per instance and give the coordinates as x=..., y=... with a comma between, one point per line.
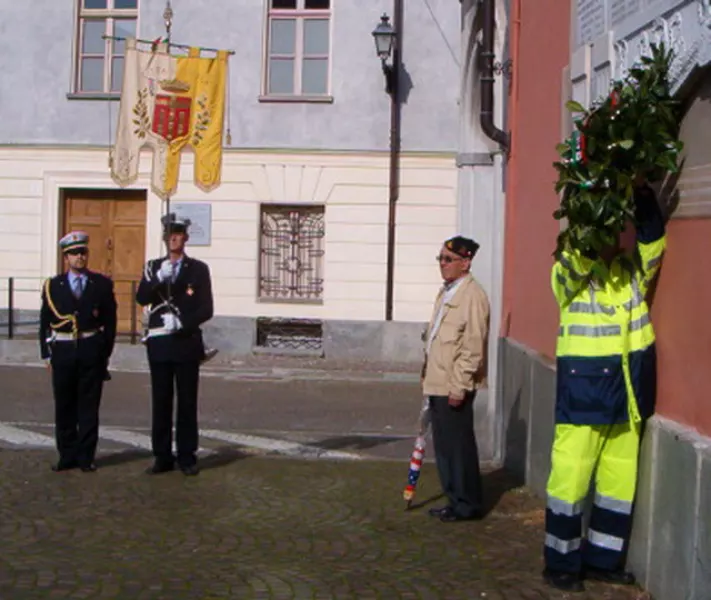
x=169, y=102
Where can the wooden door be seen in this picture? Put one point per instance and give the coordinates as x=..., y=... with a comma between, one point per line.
x=116, y=223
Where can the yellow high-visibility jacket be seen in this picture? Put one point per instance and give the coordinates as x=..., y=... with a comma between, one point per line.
x=606, y=358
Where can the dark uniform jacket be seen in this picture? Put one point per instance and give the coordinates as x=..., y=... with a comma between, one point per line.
x=62, y=312
x=190, y=300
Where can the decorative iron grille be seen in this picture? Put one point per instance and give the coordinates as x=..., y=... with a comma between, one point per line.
x=289, y=334
x=291, y=253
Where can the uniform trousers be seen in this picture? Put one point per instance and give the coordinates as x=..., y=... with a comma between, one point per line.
x=165, y=378
x=77, y=394
x=611, y=453
x=456, y=454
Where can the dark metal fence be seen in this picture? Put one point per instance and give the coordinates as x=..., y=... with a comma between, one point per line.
x=16, y=322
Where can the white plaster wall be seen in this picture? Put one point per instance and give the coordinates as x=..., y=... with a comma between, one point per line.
x=353, y=187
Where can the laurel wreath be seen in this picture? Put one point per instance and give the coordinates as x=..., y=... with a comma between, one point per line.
x=202, y=120
x=142, y=121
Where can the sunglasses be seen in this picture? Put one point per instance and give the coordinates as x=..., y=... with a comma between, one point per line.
x=77, y=252
x=441, y=258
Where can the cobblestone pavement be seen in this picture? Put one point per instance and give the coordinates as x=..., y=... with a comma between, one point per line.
x=252, y=526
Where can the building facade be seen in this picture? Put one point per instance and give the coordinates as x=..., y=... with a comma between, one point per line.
x=296, y=235
x=588, y=45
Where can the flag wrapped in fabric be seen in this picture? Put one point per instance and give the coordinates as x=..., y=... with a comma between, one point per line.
x=418, y=453
x=169, y=102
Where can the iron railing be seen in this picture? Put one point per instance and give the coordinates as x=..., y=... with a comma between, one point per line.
x=289, y=334
x=291, y=261
x=21, y=322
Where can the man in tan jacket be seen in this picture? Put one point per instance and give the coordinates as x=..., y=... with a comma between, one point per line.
x=455, y=367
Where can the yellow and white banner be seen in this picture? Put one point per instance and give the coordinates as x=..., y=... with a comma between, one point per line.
x=169, y=102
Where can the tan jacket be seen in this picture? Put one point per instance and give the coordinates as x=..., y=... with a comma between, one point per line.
x=457, y=361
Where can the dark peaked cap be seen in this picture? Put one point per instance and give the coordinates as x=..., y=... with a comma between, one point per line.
x=465, y=247
x=171, y=222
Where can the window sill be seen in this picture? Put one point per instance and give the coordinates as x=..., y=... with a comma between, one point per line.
x=269, y=300
x=297, y=99
x=93, y=96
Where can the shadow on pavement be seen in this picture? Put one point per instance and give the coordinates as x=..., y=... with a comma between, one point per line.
x=355, y=442
x=496, y=484
x=423, y=503
x=222, y=457
x=120, y=458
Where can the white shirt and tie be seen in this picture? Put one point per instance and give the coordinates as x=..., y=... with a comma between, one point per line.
x=449, y=290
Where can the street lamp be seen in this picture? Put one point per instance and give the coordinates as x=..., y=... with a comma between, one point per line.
x=385, y=39
x=388, y=41
x=384, y=36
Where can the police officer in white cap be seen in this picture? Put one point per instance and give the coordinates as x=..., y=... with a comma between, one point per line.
x=77, y=333
x=178, y=291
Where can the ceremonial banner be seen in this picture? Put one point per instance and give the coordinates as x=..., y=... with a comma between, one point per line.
x=169, y=102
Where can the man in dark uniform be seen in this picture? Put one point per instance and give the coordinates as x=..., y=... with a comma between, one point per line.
x=178, y=291
x=77, y=333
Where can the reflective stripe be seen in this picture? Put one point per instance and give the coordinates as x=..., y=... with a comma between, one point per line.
x=592, y=307
x=618, y=506
x=630, y=304
x=561, y=507
x=637, y=296
x=573, y=274
x=561, y=331
x=594, y=330
x=653, y=262
x=605, y=540
x=562, y=546
x=639, y=323
x=562, y=281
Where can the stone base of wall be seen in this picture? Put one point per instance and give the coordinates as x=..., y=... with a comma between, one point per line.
x=374, y=341
x=670, y=550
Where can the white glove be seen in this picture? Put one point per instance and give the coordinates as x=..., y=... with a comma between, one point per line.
x=165, y=271
x=171, y=322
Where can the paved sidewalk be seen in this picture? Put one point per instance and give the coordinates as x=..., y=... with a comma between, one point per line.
x=253, y=526
x=259, y=528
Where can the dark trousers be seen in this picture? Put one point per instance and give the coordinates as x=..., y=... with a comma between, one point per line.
x=77, y=394
x=185, y=376
x=456, y=454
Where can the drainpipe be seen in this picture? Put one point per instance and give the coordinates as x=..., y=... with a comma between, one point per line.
x=486, y=116
x=395, y=144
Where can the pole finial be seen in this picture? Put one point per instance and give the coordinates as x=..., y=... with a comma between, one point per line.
x=168, y=19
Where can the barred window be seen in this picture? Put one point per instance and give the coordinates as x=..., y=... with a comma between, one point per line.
x=99, y=62
x=291, y=253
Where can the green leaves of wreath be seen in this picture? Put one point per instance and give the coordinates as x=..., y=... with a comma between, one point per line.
x=630, y=135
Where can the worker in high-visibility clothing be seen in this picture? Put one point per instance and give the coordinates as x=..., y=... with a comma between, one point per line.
x=606, y=385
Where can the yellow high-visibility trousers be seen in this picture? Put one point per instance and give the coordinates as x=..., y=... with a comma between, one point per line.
x=610, y=452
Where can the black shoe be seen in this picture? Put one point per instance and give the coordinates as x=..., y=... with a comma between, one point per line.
x=160, y=467
x=437, y=511
x=190, y=470
x=568, y=582
x=619, y=577
x=64, y=466
x=90, y=468
x=449, y=516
